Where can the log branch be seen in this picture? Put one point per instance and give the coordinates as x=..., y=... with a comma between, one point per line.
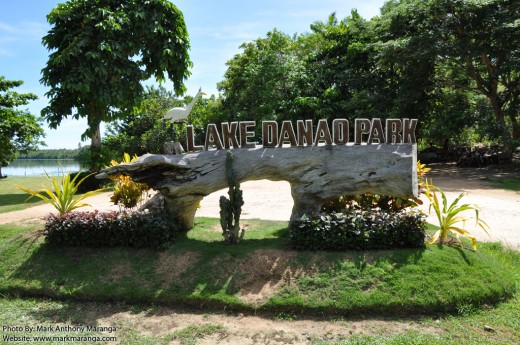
x=316, y=174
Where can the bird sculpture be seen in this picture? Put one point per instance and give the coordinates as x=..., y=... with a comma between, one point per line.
x=178, y=113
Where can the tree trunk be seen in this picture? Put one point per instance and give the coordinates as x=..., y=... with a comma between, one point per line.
x=514, y=124
x=316, y=174
x=500, y=119
x=1, y=176
x=95, y=141
x=95, y=148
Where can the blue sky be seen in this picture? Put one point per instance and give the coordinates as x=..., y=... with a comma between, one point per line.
x=216, y=30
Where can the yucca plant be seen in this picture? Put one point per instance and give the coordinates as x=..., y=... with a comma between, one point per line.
x=449, y=216
x=62, y=195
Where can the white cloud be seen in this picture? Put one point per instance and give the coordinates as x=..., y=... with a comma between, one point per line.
x=26, y=31
x=4, y=27
x=240, y=32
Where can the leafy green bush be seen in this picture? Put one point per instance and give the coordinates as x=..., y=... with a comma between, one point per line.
x=110, y=229
x=90, y=182
x=360, y=230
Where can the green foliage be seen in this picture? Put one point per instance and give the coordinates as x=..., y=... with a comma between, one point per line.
x=230, y=209
x=109, y=229
x=50, y=154
x=474, y=46
x=90, y=182
x=94, y=157
x=452, y=65
x=146, y=131
x=359, y=230
x=449, y=216
x=101, y=51
x=20, y=131
x=62, y=196
x=259, y=82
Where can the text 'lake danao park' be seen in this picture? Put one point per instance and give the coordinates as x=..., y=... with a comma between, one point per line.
x=240, y=134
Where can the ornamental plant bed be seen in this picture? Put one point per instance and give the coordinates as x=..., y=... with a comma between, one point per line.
x=109, y=229
x=261, y=274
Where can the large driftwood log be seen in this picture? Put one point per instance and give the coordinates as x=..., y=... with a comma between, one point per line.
x=316, y=174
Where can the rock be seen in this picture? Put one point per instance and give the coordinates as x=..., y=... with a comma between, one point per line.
x=316, y=174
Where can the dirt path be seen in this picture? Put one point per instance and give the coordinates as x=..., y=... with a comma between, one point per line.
x=272, y=200
x=35, y=214
x=500, y=208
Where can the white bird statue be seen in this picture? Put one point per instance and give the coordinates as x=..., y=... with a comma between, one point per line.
x=179, y=113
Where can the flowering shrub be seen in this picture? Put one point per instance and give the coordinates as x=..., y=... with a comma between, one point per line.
x=360, y=230
x=110, y=229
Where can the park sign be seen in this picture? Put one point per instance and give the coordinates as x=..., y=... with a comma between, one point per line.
x=320, y=164
x=240, y=134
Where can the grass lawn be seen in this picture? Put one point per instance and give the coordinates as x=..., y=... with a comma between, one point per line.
x=454, y=290
x=13, y=199
x=509, y=184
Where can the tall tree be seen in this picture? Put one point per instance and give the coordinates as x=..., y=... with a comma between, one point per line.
x=479, y=37
x=19, y=130
x=258, y=80
x=101, y=50
x=146, y=131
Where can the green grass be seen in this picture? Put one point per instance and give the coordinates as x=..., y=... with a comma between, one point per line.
x=457, y=291
x=509, y=184
x=14, y=199
x=201, y=270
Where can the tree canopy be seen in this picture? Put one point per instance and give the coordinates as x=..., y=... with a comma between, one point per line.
x=101, y=50
x=452, y=64
x=19, y=130
x=146, y=131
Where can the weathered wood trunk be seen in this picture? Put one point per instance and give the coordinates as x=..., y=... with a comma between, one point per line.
x=316, y=174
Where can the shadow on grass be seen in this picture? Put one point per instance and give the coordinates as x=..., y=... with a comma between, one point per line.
x=16, y=199
x=93, y=314
x=192, y=273
x=260, y=275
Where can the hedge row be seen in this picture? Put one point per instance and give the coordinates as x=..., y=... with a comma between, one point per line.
x=90, y=183
x=359, y=230
x=110, y=229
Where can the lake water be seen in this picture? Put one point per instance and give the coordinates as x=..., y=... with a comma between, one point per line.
x=38, y=167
